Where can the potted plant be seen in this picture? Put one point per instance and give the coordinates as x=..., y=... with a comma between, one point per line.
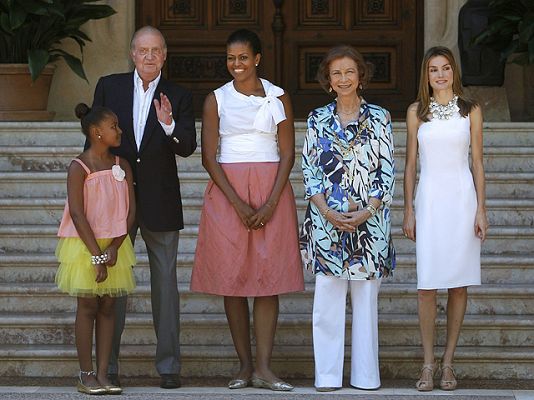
x=30, y=35
x=510, y=30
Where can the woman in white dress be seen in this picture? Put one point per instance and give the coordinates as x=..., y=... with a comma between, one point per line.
x=450, y=214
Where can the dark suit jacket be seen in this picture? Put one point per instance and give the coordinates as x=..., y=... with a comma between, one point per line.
x=157, y=187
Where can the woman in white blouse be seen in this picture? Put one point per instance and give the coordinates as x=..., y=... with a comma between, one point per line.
x=248, y=243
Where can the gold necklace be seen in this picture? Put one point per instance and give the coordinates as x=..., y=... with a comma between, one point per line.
x=346, y=149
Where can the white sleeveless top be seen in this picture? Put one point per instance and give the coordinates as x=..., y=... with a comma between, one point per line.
x=248, y=124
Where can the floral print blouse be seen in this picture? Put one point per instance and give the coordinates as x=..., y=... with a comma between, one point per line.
x=349, y=166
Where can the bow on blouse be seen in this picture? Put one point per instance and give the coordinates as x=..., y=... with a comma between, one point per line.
x=271, y=110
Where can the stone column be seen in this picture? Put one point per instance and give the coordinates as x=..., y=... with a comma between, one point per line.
x=107, y=53
x=441, y=23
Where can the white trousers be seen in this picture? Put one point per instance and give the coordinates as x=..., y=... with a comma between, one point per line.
x=329, y=304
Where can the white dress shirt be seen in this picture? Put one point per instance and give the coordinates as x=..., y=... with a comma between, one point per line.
x=141, y=107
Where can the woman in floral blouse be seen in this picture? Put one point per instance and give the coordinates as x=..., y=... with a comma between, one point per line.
x=346, y=236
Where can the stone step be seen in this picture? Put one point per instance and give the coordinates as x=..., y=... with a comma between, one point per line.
x=48, y=211
x=53, y=184
x=396, y=362
x=497, y=328
x=395, y=298
x=41, y=134
x=47, y=159
x=69, y=133
x=292, y=330
x=41, y=268
x=42, y=238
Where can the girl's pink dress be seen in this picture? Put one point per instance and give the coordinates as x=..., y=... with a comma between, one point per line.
x=106, y=204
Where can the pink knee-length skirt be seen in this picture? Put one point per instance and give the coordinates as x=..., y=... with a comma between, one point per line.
x=231, y=261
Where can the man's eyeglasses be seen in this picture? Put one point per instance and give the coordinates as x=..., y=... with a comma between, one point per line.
x=152, y=52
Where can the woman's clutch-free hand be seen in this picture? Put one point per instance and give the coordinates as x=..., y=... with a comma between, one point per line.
x=408, y=225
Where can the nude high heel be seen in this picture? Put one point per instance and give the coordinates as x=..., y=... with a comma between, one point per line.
x=426, y=385
x=448, y=384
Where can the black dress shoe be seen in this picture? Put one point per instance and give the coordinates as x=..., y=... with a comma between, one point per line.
x=169, y=381
x=114, y=379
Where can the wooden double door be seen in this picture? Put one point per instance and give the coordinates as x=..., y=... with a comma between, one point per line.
x=295, y=35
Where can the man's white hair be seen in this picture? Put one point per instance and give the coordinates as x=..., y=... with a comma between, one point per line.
x=147, y=29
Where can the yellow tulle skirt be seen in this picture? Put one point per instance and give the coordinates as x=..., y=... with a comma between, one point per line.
x=76, y=275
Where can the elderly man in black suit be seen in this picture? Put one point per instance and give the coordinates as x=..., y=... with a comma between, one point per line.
x=156, y=117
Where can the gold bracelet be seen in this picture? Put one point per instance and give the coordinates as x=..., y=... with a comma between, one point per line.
x=371, y=209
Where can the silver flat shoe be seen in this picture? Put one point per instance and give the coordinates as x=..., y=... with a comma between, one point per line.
x=238, y=383
x=82, y=388
x=279, y=386
x=112, y=389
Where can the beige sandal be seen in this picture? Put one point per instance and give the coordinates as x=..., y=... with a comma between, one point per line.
x=426, y=385
x=448, y=384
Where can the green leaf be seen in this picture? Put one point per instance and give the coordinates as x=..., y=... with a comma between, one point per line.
x=4, y=24
x=96, y=11
x=33, y=7
x=4, y=6
x=37, y=60
x=40, y=25
x=526, y=31
x=74, y=63
x=78, y=33
x=58, y=7
x=17, y=15
x=529, y=4
x=512, y=18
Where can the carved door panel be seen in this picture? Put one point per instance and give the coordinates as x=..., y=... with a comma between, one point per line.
x=196, y=33
x=384, y=31
x=295, y=34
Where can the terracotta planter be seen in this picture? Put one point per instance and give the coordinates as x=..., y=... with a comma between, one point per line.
x=22, y=99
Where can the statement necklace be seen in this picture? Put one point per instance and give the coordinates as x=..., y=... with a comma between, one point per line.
x=440, y=111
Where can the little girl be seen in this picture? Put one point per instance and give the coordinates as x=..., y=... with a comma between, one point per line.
x=94, y=250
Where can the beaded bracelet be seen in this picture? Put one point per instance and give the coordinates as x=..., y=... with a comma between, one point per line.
x=101, y=259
